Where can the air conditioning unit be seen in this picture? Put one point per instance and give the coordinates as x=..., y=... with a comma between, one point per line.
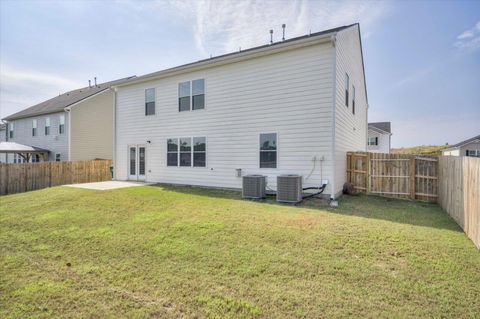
x=253, y=186
x=289, y=188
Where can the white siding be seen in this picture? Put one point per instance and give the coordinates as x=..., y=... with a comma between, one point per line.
x=383, y=142
x=350, y=129
x=290, y=93
x=92, y=128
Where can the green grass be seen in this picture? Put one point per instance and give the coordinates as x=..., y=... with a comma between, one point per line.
x=170, y=252
x=421, y=150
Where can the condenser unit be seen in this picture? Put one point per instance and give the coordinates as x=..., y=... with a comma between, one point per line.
x=253, y=186
x=289, y=188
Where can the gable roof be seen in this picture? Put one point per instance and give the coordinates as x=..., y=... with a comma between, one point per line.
x=382, y=126
x=237, y=55
x=464, y=142
x=58, y=103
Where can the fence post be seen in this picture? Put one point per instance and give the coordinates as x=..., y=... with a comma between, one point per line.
x=367, y=174
x=412, y=170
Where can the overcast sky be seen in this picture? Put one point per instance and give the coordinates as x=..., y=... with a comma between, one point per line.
x=422, y=59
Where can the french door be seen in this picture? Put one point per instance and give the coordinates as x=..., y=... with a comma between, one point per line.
x=136, y=162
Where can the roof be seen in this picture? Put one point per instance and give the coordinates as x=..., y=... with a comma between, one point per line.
x=464, y=142
x=233, y=55
x=3, y=127
x=12, y=147
x=58, y=103
x=382, y=126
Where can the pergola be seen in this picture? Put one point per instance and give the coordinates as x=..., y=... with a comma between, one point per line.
x=24, y=151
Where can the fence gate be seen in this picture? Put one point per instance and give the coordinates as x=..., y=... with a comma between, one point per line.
x=397, y=175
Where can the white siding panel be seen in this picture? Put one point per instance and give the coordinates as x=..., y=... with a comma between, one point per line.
x=383, y=142
x=350, y=129
x=289, y=93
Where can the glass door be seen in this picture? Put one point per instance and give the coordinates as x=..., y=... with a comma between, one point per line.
x=132, y=163
x=141, y=163
x=136, y=162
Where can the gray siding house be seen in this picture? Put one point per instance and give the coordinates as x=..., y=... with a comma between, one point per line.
x=470, y=147
x=77, y=125
x=3, y=138
x=379, y=137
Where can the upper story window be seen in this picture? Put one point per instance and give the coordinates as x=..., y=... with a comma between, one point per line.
x=353, y=99
x=373, y=140
x=181, y=151
x=11, y=127
x=150, y=101
x=191, y=95
x=34, y=127
x=47, y=126
x=347, y=86
x=61, y=126
x=268, y=150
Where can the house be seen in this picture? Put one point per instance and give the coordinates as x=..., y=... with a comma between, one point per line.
x=379, y=137
x=290, y=107
x=470, y=147
x=77, y=125
x=3, y=138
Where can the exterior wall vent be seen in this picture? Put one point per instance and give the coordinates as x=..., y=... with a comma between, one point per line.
x=253, y=186
x=289, y=188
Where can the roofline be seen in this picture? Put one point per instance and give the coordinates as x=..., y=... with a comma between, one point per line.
x=472, y=140
x=302, y=41
x=69, y=107
x=9, y=119
x=379, y=130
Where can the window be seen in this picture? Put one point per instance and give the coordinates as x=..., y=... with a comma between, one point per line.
x=191, y=93
x=353, y=99
x=150, y=102
x=34, y=127
x=474, y=153
x=47, y=126
x=172, y=152
x=373, y=141
x=268, y=150
x=57, y=157
x=184, y=96
x=347, y=86
x=181, y=151
x=10, y=131
x=186, y=152
x=35, y=158
x=61, y=126
x=199, y=151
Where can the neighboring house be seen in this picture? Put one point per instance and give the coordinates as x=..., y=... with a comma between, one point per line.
x=77, y=125
x=470, y=147
x=379, y=137
x=292, y=107
x=3, y=138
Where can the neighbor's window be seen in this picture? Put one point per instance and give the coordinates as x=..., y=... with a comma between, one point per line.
x=268, y=150
x=353, y=99
x=35, y=158
x=10, y=130
x=61, y=126
x=373, y=141
x=172, y=152
x=47, y=126
x=198, y=94
x=150, y=101
x=347, y=86
x=34, y=127
x=199, y=151
x=184, y=96
x=474, y=153
x=57, y=157
x=186, y=151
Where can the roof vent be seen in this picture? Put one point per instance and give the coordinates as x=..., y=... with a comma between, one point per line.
x=89, y=83
x=283, y=27
x=271, y=36
x=95, y=79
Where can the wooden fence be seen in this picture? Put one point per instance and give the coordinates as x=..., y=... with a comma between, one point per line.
x=17, y=178
x=459, y=192
x=397, y=175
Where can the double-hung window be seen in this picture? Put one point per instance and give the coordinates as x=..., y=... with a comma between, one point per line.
x=10, y=130
x=268, y=150
x=353, y=99
x=57, y=157
x=187, y=151
x=191, y=95
x=34, y=127
x=373, y=140
x=61, y=126
x=150, y=101
x=47, y=126
x=347, y=87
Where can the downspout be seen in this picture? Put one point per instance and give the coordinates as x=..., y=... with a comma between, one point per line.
x=334, y=49
x=69, y=133
x=114, y=177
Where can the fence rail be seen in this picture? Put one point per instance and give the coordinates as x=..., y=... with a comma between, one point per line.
x=396, y=175
x=17, y=178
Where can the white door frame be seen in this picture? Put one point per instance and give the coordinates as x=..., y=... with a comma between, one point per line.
x=136, y=176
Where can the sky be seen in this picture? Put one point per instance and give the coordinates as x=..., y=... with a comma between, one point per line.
x=422, y=58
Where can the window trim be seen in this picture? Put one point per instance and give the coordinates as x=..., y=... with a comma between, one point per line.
x=60, y=131
x=191, y=94
x=49, y=126
x=34, y=127
x=191, y=152
x=154, y=101
x=277, y=158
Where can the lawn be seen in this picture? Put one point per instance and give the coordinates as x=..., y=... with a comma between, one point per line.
x=170, y=252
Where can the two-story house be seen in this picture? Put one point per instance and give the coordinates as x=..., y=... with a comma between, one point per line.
x=379, y=137
x=291, y=107
x=77, y=125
